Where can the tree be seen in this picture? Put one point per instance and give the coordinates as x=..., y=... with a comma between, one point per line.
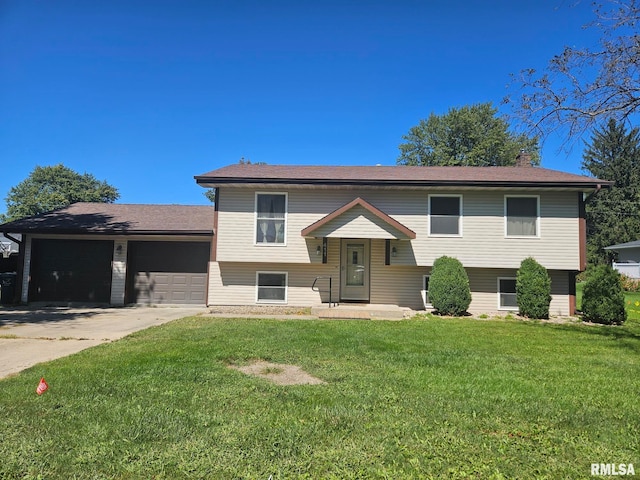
x=449, y=290
x=533, y=289
x=52, y=187
x=613, y=216
x=582, y=88
x=210, y=193
x=471, y=135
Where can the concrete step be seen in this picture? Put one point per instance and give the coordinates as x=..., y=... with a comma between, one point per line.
x=362, y=312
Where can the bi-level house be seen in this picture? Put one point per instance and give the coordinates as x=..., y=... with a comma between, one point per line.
x=376, y=231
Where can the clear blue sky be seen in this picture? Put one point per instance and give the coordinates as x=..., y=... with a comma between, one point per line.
x=147, y=94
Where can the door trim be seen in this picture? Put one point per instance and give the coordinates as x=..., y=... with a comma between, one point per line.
x=350, y=293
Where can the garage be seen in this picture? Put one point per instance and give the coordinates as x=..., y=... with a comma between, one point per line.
x=160, y=272
x=70, y=270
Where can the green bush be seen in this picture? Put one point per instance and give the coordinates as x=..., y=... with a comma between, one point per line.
x=449, y=287
x=533, y=289
x=602, y=297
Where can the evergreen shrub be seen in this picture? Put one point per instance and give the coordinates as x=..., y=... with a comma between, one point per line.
x=533, y=289
x=602, y=297
x=449, y=290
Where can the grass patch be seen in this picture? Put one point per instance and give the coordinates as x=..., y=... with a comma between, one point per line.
x=456, y=398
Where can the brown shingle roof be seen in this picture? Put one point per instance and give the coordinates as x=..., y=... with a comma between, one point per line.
x=396, y=176
x=115, y=218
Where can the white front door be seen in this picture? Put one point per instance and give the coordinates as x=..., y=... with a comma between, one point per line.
x=354, y=270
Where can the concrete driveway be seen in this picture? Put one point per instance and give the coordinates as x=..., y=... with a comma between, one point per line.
x=29, y=336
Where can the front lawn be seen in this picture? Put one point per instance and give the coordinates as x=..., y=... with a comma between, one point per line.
x=455, y=398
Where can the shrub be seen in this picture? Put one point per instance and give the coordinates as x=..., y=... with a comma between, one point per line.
x=602, y=296
x=630, y=284
x=533, y=289
x=449, y=287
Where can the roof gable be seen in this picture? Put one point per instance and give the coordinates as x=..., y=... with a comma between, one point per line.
x=358, y=219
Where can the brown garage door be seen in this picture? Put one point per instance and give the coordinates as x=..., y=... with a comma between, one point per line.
x=167, y=272
x=70, y=270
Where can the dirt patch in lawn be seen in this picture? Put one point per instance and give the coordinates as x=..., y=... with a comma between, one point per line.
x=278, y=373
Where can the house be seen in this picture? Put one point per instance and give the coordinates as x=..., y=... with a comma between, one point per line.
x=628, y=258
x=278, y=230
x=115, y=254
x=376, y=231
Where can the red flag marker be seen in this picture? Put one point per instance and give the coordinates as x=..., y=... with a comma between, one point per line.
x=42, y=387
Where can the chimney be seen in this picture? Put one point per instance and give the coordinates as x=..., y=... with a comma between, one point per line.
x=523, y=159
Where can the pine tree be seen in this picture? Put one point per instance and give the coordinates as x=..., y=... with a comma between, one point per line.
x=613, y=216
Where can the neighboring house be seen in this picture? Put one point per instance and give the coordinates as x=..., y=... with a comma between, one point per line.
x=7, y=246
x=628, y=258
x=376, y=232
x=115, y=254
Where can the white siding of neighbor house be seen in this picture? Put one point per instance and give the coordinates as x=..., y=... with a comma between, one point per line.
x=482, y=245
x=119, y=272
x=629, y=255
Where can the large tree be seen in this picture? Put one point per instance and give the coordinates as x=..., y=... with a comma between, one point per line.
x=613, y=216
x=51, y=187
x=582, y=88
x=471, y=135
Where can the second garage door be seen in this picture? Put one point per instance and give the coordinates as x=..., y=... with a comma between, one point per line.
x=167, y=272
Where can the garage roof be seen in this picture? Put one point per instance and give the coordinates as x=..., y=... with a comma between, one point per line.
x=118, y=219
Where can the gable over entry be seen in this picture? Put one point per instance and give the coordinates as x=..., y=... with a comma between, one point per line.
x=358, y=219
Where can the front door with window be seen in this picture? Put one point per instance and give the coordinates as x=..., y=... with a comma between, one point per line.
x=354, y=270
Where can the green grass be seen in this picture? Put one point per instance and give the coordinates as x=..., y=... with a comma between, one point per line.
x=429, y=398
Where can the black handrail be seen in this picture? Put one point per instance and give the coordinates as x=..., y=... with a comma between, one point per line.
x=315, y=289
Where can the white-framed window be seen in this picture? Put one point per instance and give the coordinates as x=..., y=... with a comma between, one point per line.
x=271, y=287
x=507, y=293
x=271, y=218
x=521, y=216
x=425, y=291
x=445, y=215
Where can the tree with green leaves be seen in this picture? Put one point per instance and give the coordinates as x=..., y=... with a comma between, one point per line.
x=613, y=216
x=52, y=187
x=471, y=136
x=581, y=88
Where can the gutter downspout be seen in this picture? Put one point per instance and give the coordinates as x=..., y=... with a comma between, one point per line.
x=13, y=239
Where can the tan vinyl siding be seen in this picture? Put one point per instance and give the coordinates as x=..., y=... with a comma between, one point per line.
x=483, y=243
x=484, y=290
x=357, y=222
x=395, y=285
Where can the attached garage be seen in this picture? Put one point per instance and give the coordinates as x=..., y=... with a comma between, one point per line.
x=167, y=272
x=70, y=270
x=115, y=254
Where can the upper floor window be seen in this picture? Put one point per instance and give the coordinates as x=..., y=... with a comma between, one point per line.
x=521, y=216
x=271, y=211
x=445, y=212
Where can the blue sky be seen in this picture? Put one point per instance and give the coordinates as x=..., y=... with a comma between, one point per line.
x=147, y=94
